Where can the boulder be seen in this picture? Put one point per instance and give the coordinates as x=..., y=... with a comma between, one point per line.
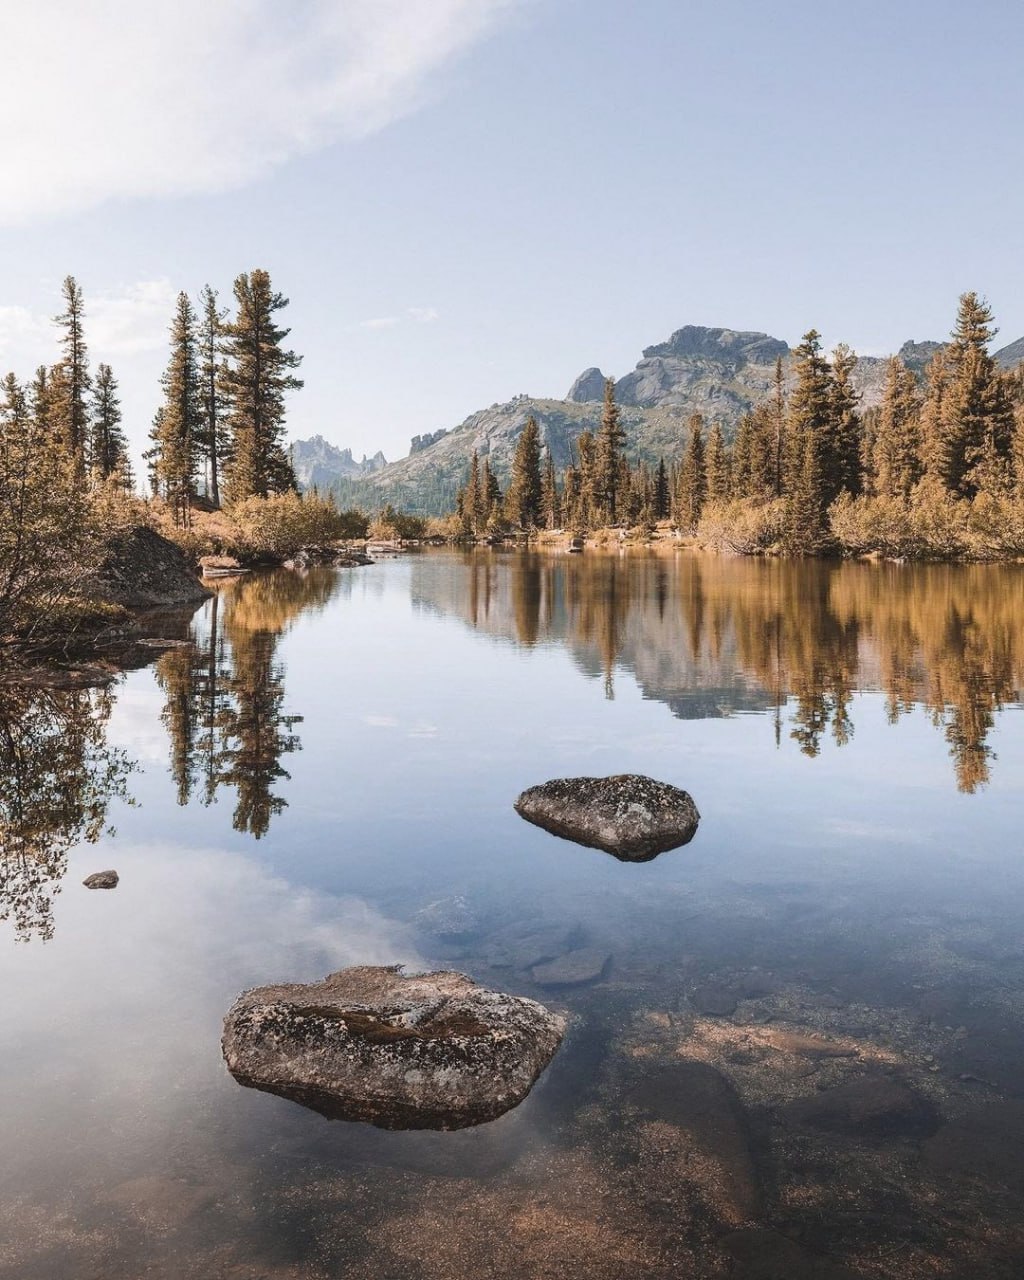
x=101, y=880
x=142, y=570
x=632, y=817
x=427, y=1051
x=588, y=387
x=573, y=969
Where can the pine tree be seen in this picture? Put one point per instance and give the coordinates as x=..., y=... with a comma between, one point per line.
x=255, y=381
x=977, y=416
x=776, y=444
x=808, y=428
x=177, y=426
x=588, y=508
x=692, y=485
x=718, y=484
x=549, y=501
x=611, y=440
x=69, y=406
x=844, y=461
x=491, y=490
x=523, y=501
x=662, y=492
x=896, y=447
x=108, y=447
x=213, y=436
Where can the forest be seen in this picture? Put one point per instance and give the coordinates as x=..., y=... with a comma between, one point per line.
x=935, y=471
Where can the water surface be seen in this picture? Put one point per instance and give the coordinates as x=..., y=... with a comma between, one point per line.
x=803, y=1049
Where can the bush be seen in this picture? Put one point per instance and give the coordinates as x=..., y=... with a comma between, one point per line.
x=744, y=526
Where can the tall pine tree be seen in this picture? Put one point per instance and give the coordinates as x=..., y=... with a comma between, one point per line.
x=256, y=380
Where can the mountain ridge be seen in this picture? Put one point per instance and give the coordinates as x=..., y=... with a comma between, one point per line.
x=718, y=372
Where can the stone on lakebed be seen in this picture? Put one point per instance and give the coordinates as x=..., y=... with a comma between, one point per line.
x=423, y=1051
x=101, y=880
x=627, y=815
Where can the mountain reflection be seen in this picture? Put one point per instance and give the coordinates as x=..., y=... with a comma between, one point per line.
x=711, y=636
x=225, y=695
x=57, y=778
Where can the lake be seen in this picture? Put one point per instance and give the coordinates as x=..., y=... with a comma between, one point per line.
x=799, y=1053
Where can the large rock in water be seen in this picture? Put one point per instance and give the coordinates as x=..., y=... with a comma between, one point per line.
x=632, y=817
x=429, y=1051
x=142, y=570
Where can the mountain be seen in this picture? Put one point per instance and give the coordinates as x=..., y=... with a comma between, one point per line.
x=321, y=464
x=1011, y=356
x=720, y=373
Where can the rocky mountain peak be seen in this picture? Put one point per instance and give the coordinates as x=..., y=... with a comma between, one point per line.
x=727, y=346
x=588, y=386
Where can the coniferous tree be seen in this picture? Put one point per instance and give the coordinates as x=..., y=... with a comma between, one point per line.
x=976, y=428
x=69, y=409
x=845, y=436
x=610, y=441
x=808, y=427
x=108, y=447
x=717, y=482
x=896, y=446
x=213, y=436
x=588, y=508
x=255, y=381
x=549, y=500
x=662, y=492
x=523, y=501
x=776, y=450
x=176, y=429
x=692, y=485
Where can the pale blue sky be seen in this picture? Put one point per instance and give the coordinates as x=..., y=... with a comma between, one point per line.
x=465, y=199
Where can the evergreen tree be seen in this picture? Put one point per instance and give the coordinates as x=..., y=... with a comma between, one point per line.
x=977, y=416
x=588, y=508
x=491, y=492
x=611, y=440
x=808, y=428
x=108, y=447
x=844, y=461
x=776, y=450
x=717, y=482
x=213, y=436
x=177, y=426
x=255, y=381
x=692, y=486
x=69, y=407
x=896, y=446
x=662, y=492
x=550, y=506
x=523, y=501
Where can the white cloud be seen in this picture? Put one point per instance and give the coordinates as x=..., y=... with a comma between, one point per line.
x=120, y=322
x=134, y=318
x=417, y=315
x=116, y=99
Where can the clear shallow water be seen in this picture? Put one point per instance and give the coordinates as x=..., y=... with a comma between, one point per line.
x=334, y=753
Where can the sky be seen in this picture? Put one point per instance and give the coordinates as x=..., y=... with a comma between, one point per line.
x=468, y=199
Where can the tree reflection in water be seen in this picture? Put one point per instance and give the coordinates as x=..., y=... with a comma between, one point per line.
x=57, y=778
x=710, y=636
x=224, y=697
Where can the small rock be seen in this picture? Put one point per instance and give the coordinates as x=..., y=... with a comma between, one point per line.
x=101, y=880
x=429, y=1051
x=629, y=816
x=573, y=969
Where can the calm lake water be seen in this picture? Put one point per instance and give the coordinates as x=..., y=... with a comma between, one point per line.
x=800, y=1054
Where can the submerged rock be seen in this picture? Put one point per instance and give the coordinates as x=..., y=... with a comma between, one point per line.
x=427, y=1051
x=632, y=817
x=867, y=1106
x=573, y=969
x=101, y=880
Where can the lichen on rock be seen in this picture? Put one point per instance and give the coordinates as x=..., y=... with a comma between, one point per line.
x=427, y=1051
